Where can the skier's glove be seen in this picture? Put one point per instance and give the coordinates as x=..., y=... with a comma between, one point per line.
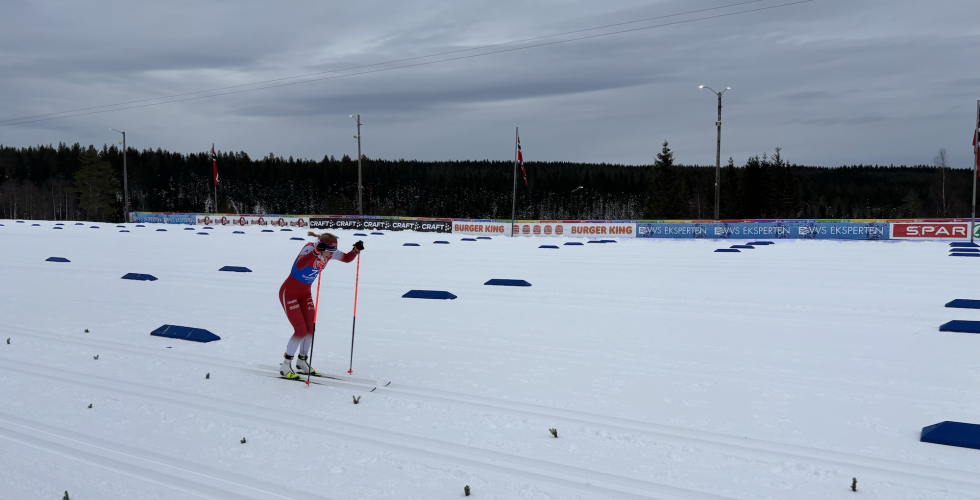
x=359, y=246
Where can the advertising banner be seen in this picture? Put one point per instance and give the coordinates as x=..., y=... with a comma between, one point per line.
x=163, y=218
x=931, y=230
x=371, y=224
x=582, y=229
x=481, y=227
x=251, y=220
x=766, y=230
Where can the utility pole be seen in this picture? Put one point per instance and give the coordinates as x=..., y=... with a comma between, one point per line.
x=360, y=188
x=976, y=172
x=125, y=177
x=513, y=203
x=717, y=152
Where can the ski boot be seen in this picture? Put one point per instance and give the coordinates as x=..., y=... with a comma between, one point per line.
x=303, y=367
x=286, y=368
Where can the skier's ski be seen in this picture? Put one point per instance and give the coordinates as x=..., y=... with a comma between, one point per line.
x=339, y=377
x=326, y=381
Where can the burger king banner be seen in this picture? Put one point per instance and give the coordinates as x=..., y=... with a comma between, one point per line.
x=575, y=229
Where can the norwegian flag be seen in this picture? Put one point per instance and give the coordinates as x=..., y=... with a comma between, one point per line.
x=214, y=164
x=520, y=158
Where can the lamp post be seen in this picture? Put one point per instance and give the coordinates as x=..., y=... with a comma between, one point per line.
x=571, y=198
x=360, y=188
x=718, y=151
x=125, y=177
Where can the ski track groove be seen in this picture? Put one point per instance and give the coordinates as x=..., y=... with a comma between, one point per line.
x=897, y=470
x=565, y=476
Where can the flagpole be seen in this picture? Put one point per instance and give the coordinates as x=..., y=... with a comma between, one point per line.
x=976, y=165
x=513, y=206
x=215, y=180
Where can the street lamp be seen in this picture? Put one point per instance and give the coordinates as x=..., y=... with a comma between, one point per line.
x=125, y=177
x=360, y=188
x=570, y=198
x=718, y=151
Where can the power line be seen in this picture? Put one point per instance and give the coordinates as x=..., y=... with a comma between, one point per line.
x=24, y=120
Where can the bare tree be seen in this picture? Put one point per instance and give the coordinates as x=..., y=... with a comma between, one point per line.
x=940, y=162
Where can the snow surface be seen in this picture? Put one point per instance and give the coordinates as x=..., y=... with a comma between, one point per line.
x=669, y=371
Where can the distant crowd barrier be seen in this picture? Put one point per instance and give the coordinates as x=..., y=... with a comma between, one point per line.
x=816, y=229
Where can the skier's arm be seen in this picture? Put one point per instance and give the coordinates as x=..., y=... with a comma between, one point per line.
x=306, y=260
x=344, y=256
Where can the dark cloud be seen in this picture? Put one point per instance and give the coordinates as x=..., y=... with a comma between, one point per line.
x=832, y=82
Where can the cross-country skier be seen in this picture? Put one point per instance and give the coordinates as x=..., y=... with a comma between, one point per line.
x=296, y=297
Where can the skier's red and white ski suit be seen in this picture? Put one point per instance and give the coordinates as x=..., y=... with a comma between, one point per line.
x=295, y=294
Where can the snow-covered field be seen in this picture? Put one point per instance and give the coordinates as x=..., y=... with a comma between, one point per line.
x=668, y=371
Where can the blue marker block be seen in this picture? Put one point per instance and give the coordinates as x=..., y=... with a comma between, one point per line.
x=960, y=326
x=468, y=239
x=205, y=234
x=120, y=226
x=952, y=434
x=595, y=241
x=608, y=241
x=575, y=243
x=235, y=269
x=185, y=333
x=238, y=232
x=759, y=243
x=964, y=250
x=296, y=238
x=499, y=282
x=440, y=242
x=410, y=245
x=742, y=246
x=549, y=246
x=284, y=229
x=57, y=227
x=965, y=244
x=56, y=259
x=963, y=254
x=964, y=304
x=267, y=231
x=93, y=227
x=207, y=227
x=35, y=225
x=378, y=234
x=127, y=230
x=188, y=229
x=139, y=277
x=484, y=238
x=359, y=234
x=429, y=294
x=79, y=224
x=140, y=225
x=727, y=250
x=20, y=222
x=60, y=224
x=164, y=230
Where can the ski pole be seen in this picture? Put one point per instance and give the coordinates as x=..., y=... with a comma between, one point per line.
x=316, y=309
x=357, y=280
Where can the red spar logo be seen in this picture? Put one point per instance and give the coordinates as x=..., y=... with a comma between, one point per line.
x=927, y=230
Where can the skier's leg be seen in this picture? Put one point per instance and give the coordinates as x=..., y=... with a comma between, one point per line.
x=309, y=310
x=291, y=306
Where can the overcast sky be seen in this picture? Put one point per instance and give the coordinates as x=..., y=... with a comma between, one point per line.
x=832, y=81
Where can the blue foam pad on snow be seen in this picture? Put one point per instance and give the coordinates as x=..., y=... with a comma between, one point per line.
x=742, y=246
x=608, y=241
x=484, y=238
x=79, y=224
x=56, y=259
x=35, y=224
x=120, y=225
x=595, y=241
x=952, y=434
x=964, y=250
x=267, y=231
x=379, y=234
x=967, y=244
x=60, y=224
x=468, y=239
x=964, y=254
x=961, y=326
x=238, y=232
x=127, y=230
x=359, y=234
x=964, y=304
x=140, y=225
x=296, y=238
x=577, y=243
x=188, y=229
x=205, y=234
x=428, y=294
x=727, y=250
x=441, y=242
x=499, y=282
x=57, y=227
x=185, y=333
x=164, y=230
x=759, y=243
x=207, y=227
x=20, y=222
x=236, y=269
x=410, y=244
x=93, y=227
x=549, y=246
x=284, y=229
x=139, y=277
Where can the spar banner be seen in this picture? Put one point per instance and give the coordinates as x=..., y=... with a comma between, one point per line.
x=371, y=224
x=282, y=221
x=931, y=230
x=581, y=229
x=801, y=229
x=481, y=227
x=163, y=218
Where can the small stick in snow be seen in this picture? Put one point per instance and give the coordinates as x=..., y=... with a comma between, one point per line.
x=96, y=357
x=554, y=432
x=90, y=405
x=357, y=399
x=86, y=330
x=854, y=484
x=65, y=497
x=466, y=490
x=243, y=440
x=208, y=376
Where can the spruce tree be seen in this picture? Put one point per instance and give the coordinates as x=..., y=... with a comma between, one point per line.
x=95, y=185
